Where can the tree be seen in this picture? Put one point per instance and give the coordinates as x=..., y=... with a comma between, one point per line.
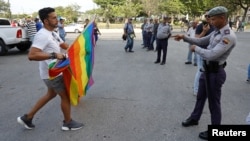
x=171, y=8
x=105, y=3
x=150, y=6
x=233, y=6
x=71, y=12
x=244, y=4
x=5, y=9
x=129, y=9
x=109, y=7
x=196, y=7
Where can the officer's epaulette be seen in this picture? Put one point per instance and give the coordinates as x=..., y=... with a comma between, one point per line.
x=226, y=31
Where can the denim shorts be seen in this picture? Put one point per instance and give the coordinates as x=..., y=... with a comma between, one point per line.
x=56, y=84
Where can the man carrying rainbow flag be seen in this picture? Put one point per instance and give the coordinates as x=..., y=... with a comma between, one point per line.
x=68, y=77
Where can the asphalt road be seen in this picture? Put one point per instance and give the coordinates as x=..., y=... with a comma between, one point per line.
x=132, y=99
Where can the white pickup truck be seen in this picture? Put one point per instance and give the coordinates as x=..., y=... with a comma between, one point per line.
x=11, y=37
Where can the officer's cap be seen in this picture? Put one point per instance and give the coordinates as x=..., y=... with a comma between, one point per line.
x=217, y=11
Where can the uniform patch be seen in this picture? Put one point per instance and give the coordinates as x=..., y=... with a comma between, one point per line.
x=227, y=31
x=226, y=41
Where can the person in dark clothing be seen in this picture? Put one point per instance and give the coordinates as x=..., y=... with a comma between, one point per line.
x=231, y=24
x=153, y=38
x=39, y=25
x=96, y=31
x=149, y=30
x=144, y=33
x=86, y=23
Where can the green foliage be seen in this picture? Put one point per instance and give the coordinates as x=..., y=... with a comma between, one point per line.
x=129, y=9
x=4, y=6
x=5, y=9
x=234, y=6
x=171, y=7
x=118, y=8
x=113, y=9
x=243, y=4
x=71, y=12
x=106, y=3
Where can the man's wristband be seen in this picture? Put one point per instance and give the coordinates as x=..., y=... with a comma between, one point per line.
x=52, y=55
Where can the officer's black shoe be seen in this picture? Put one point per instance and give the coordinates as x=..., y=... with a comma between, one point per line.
x=131, y=51
x=156, y=62
x=204, y=135
x=187, y=63
x=189, y=122
x=125, y=49
x=162, y=63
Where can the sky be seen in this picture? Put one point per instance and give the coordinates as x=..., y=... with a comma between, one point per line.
x=30, y=6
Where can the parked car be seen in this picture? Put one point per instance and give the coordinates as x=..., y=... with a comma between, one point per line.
x=11, y=37
x=74, y=27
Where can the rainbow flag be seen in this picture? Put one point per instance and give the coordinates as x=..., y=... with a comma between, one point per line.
x=77, y=68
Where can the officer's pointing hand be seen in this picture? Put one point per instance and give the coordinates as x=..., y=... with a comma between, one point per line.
x=178, y=37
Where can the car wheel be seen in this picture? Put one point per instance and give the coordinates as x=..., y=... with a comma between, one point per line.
x=23, y=47
x=3, y=49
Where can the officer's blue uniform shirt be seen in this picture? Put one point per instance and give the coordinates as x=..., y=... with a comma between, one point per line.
x=219, y=44
x=163, y=31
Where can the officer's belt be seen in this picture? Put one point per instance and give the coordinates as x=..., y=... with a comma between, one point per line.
x=212, y=66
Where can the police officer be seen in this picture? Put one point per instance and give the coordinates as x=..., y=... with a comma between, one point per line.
x=163, y=34
x=219, y=45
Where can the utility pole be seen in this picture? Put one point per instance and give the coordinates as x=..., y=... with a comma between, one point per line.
x=9, y=12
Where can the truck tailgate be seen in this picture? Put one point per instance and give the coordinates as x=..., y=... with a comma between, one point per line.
x=9, y=34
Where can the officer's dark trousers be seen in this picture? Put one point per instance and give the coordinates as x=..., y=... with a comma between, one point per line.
x=144, y=37
x=149, y=36
x=215, y=82
x=162, y=45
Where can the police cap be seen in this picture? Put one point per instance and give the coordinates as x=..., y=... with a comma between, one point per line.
x=217, y=11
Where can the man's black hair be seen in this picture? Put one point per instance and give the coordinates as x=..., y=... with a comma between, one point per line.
x=44, y=13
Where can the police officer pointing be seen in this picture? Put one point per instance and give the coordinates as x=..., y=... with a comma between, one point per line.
x=219, y=46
